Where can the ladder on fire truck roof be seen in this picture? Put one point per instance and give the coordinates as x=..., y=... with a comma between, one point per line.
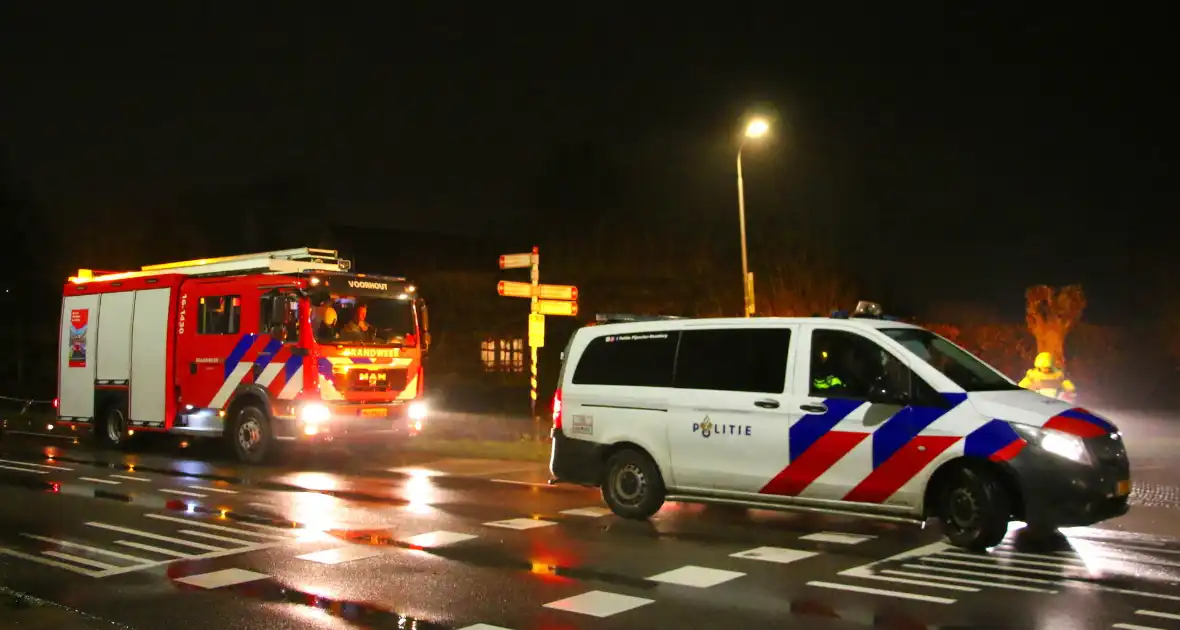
x=297, y=260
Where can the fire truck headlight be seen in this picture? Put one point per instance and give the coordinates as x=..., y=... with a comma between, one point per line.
x=417, y=411
x=314, y=413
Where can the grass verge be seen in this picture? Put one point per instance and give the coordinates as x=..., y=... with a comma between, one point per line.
x=481, y=449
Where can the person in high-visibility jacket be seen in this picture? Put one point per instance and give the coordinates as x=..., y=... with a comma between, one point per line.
x=1046, y=379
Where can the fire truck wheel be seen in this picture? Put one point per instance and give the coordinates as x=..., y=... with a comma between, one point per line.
x=251, y=435
x=113, y=430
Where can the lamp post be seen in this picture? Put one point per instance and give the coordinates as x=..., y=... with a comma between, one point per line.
x=754, y=130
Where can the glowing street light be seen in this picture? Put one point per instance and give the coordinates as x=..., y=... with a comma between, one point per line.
x=755, y=129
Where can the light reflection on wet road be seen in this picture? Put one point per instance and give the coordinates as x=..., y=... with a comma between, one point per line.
x=152, y=539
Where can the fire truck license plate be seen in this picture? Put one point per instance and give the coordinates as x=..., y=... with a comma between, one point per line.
x=1124, y=488
x=379, y=412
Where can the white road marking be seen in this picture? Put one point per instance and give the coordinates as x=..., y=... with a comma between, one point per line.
x=1011, y=587
x=66, y=543
x=599, y=604
x=522, y=483
x=520, y=523
x=289, y=531
x=1161, y=615
x=780, y=555
x=131, y=478
x=898, y=580
x=193, y=532
x=159, y=550
x=83, y=561
x=136, y=532
x=592, y=512
x=1131, y=626
x=437, y=539
x=341, y=554
x=211, y=489
x=878, y=591
x=106, y=481
x=224, y=577
x=699, y=577
x=35, y=472
x=838, y=538
x=220, y=528
x=32, y=465
x=1064, y=580
x=184, y=493
x=52, y=563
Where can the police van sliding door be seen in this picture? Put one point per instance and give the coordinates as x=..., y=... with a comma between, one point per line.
x=732, y=409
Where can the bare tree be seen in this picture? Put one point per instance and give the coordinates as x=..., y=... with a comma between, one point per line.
x=1052, y=314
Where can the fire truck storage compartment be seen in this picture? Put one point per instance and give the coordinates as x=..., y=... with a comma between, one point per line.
x=76, y=378
x=149, y=356
x=126, y=342
x=113, y=351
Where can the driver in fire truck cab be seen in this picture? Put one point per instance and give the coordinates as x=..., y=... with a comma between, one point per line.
x=382, y=321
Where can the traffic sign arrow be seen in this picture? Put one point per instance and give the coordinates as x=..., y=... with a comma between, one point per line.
x=557, y=307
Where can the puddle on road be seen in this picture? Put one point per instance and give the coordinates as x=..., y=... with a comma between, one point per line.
x=361, y=613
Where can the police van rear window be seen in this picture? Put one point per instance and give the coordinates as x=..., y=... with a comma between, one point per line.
x=635, y=359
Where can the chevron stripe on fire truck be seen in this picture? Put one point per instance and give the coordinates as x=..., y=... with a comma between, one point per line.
x=281, y=372
x=893, y=452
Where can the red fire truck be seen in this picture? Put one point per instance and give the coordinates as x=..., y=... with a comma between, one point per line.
x=260, y=349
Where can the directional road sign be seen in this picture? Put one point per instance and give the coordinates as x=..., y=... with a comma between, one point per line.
x=508, y=288
x=557, y=307
x=558, y=292
x=516, y=261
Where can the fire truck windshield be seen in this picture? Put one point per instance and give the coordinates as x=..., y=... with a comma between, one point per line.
x=365, y=321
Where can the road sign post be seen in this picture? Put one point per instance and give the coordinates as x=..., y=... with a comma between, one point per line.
x=544, y=299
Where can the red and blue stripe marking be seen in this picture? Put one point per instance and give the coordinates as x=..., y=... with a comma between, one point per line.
x=1080, y=422
x=899, y=450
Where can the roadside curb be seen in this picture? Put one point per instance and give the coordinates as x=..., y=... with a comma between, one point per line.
x=20, y=601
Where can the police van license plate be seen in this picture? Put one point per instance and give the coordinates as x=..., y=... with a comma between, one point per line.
x=376, y=412
x=1124, y=488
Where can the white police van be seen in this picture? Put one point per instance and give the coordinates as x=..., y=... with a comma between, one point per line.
x=855, y=415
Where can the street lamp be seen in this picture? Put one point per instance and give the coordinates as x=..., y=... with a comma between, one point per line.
x=754, y=130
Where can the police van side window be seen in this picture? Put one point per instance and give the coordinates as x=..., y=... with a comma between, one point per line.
x=734, y=360
x=847, y=365
x=219, y=315
x=634, y=359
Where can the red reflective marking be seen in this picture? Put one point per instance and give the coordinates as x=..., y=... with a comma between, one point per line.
x=814, y=462
x=1008, y=452
x=1073, y=426
x=908, y=461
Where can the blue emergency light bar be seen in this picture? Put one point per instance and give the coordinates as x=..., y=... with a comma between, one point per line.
x=865, y=310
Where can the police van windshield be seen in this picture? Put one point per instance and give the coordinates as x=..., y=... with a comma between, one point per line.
x=364, y=320
x=955, y=363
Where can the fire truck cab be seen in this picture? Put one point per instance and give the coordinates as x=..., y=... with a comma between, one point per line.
x=260, y=349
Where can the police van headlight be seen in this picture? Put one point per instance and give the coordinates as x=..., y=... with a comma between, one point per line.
x=314, y=413
x=417, y=411
x=1061, y=444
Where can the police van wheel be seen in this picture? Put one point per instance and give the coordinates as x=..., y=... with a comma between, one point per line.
x=974, y=510
x=633, y=487
x=251, y=435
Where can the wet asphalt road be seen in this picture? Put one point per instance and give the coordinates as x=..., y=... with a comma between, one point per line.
x=94, y=539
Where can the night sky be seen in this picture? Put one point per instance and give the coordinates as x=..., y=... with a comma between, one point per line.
x=955, y=148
